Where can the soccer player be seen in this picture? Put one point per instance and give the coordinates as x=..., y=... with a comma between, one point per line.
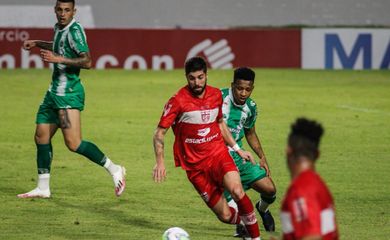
x=307, y=210
x=64, y=100
x=240, y=113
x=195, y=115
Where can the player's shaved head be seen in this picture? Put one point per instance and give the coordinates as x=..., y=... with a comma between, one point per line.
x=244, y=73
x=67, y=1
x=304, y=138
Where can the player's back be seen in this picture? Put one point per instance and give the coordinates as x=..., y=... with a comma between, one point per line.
x=308, y=208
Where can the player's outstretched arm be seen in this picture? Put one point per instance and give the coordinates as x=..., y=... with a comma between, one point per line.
x=254, y=142
x=29, y=44
x=227, y=136
x=159, y=172
x=83, y=61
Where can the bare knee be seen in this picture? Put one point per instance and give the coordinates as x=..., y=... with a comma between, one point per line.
x=224, y=217
x=237, y=192
x=265, y=186
x=41, y=137
x=72, y=145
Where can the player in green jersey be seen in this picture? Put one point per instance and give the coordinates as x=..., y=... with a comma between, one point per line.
x=64, y=100
x=240, y=113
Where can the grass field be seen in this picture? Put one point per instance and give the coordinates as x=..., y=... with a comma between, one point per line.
x=122, y=110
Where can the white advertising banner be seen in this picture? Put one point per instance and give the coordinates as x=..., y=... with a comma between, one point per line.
x=345, y=48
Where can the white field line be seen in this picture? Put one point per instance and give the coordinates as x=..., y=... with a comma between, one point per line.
x=366, y=110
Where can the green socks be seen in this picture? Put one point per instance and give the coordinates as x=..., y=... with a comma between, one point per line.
x=92, y=152
x=44, y=157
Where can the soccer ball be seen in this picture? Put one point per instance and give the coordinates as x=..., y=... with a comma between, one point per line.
x=175, y=233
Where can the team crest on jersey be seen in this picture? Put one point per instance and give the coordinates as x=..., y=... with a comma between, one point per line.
x=205, y=197
x=205, y=115
x=167, y=108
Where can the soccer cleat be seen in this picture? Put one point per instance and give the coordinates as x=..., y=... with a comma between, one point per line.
x=241, y=232
x=268, y=220
x=36, y=193
x=119, y=181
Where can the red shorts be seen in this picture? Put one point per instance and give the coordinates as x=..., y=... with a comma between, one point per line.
x=209, y=180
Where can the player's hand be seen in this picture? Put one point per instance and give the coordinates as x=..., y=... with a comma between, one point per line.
x=159, y=173
x=247, y=156
x=29, y=44
x=49, y=56
x=264, y=164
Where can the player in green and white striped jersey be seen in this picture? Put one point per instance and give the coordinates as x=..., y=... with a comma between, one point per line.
x=64, y=100
x=240, y=113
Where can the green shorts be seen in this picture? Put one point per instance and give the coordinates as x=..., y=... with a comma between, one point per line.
x=249, y=173
x=48, y=110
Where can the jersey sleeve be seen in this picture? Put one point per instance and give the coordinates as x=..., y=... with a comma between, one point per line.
x=251, y=120
x=78, y=39
x=305, y=214
x=170, y=113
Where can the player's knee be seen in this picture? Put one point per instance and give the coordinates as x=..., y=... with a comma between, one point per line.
x=237, y=192
x=270, y=190
x=41, y=138
x=72, y=145
x=224, y=217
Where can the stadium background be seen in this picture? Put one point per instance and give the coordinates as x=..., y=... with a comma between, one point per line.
x=214, y=29
x=123, y=107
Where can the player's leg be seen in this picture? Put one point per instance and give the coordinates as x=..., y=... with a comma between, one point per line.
x=46, y=127
x=70, y=123
x=232, y=183
x=267, y=190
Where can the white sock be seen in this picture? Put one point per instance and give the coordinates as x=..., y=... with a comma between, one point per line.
x=233, y=204
x=263, y=206
x=111, y=167
x=43, y=181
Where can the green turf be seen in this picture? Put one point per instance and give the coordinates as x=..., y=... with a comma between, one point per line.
x=122, y=110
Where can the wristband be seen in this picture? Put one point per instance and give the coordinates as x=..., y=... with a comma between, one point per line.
x=236, y=147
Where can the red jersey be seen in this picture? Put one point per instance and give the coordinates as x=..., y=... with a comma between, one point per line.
x=194, y=122
x=308, y=209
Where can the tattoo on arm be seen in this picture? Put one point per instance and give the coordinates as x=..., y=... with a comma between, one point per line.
x=84, y=61
x=44, y=45
x=64, y=119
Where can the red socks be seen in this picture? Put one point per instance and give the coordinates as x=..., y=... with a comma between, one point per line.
x=248, y=216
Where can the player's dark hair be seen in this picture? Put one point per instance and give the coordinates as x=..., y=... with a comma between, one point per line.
x=195, y=64
x=304, y=138
x=244, y=73
x=67, y=1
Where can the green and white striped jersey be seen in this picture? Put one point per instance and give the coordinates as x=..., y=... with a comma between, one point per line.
x=68, y=42
x=238, y=117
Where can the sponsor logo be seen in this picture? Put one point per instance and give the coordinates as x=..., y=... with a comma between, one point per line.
x=14, y=36
x=201, y=140
x=218, y=54
x=203, y=132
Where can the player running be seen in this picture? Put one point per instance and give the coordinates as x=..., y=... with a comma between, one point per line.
x=195, y=115
x=240, y=113
x=64, y=100
x=308, y=209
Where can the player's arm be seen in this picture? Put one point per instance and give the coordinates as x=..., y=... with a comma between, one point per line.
x=227, y=136
x=83, y=61
x=254, y=142
x=159, y=172
x=29, y=44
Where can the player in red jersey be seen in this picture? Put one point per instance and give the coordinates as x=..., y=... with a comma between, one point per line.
x=195, y=115
x=307, y=210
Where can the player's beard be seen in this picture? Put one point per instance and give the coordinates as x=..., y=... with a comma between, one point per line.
x=198, y=90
